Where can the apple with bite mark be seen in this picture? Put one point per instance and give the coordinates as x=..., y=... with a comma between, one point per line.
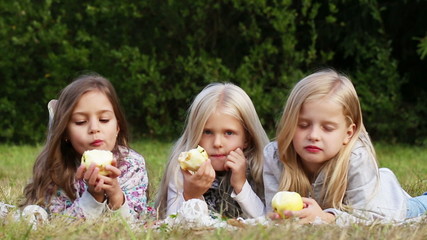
x=193, y=159
x=101, y=158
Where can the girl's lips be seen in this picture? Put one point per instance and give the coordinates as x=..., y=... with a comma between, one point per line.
x=312, y=149
x=96, y=143
x=217, y=156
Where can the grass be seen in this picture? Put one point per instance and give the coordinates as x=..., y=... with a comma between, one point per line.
x=405, y=161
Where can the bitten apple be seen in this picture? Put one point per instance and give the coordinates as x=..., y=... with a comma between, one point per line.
x=192, y=159
x=285, y=200
x=101, y=158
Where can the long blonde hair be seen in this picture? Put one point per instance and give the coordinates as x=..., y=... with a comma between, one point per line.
x=233, y=101
x=57, y=163
x=338, y=88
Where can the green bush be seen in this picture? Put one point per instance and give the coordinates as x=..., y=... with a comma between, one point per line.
x=160, y=54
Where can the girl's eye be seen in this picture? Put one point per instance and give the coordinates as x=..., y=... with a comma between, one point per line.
x=207, y=132
x=104, y=120
x=80, y=122
x=229, y=133
x=303, y=125
x=328, y=128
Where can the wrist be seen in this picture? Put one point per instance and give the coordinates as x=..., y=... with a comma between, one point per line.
x=116, y=201
x=329, y=217
x=187, y=196
x=99, y=197
x=237, y=187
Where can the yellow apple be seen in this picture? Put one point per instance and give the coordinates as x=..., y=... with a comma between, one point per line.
x=285, y=200
x=192, y=159
x=101, y=158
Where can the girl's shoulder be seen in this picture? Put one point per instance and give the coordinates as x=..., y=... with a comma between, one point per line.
x=271, y=153
x=129, y=153
x=362, y=156
x=360, y=150
x=270, y=148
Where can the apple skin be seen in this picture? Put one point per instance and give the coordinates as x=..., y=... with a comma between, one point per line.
x=193, y=159
x=285, y=200
x=101, y=158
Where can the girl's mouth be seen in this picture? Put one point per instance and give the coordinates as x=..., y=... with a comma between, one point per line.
x=96, y=143
x=312, y=149
x=217, y=156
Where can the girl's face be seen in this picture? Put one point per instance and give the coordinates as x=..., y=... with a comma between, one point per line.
x=321, y=132
x=93, y=124
x=221, y=135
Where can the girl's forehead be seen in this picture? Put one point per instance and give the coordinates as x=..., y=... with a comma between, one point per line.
x=93, y=99
x=324, y=108
x=226, y=112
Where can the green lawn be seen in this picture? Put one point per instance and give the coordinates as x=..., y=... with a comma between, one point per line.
x=407, y=162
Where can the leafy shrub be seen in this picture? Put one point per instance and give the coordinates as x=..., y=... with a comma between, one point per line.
x=160, y=54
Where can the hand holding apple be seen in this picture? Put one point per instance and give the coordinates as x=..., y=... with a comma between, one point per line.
x=285, y=200
x=193, y=159
x=101, y=158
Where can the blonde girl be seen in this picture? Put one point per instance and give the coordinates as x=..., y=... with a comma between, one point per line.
x=223, y=120
x=324, y=153
x=87, y=116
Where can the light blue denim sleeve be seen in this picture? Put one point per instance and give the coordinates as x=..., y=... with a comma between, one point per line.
x=417, y=206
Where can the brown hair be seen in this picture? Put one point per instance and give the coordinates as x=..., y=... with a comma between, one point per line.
x=57, y=163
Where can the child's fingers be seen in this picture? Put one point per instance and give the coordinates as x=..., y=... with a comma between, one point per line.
x=236, y=161
x=236, y=155
x=186, y=173
x=89, y=171
x=207, y=170
x=80, y=172
x=91, y=176
x=114, y=171
x=99, y=185
x=273, y=215
x=114, y=162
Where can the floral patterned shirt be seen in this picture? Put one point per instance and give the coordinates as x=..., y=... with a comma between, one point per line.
x=133, y=181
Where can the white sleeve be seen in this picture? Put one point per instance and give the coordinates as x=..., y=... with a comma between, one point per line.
x=271, y=173
x=175, y=195
x=373, y=195
x=92, y=209
x=124, y=210
x=251, y=204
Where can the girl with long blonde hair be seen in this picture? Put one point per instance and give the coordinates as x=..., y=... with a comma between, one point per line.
x=324, y=153
x=222, y=120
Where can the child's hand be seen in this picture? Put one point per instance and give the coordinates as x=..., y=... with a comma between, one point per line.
x=310, y=211
x=90, y=177
x=111, y=186
x=195, y=185
x=236, y=162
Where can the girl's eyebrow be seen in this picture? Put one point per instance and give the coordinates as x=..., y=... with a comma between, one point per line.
x=301, y=119
x=99, y=112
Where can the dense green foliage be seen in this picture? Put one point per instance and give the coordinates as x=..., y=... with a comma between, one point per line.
x=160, y=54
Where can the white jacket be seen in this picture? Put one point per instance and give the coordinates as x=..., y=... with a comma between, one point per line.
x=372, y=198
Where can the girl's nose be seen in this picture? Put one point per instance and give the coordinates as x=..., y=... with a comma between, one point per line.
x=313, y=134
x=218, y=141
x=94, y=127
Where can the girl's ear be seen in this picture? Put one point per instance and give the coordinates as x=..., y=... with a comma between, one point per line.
x=349, y=134
x=118, y=129
x=246, y=143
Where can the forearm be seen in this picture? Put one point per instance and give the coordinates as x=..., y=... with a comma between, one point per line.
x=251, y=204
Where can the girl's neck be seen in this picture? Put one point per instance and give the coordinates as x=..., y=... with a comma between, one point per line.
x=311, y=174
x=220, y=173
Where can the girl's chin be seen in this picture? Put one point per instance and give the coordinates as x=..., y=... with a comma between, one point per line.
x=219, y=168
